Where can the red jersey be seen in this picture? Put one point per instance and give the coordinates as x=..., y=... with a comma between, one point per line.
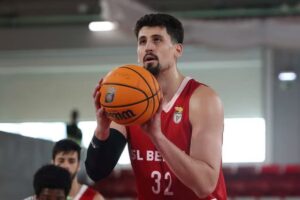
x=85, y=193
x=154, y=178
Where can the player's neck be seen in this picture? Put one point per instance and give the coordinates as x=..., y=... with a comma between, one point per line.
x=169, y=83
x=75, y=188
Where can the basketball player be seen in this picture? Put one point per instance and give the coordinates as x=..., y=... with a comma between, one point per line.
x=177, y=154
x=66, y=154
x=51, y=182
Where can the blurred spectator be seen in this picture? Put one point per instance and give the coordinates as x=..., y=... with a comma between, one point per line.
x=73, y=131
x=51, y=182
x=66, y=154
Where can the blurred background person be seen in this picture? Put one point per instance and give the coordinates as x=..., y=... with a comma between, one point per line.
x=66, y=154
x=51, y=183
x=73, y=131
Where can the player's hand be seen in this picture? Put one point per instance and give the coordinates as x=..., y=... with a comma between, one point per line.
x=103, y=121
x=153, y=126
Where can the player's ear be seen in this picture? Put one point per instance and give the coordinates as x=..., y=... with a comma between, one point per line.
x=178, y=50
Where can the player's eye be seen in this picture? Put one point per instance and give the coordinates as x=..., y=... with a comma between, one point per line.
x=142, y=42
x=156, y=40
x=72, y=161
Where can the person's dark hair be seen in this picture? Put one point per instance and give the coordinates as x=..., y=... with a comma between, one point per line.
x=74, y=115
x=53, y=177
x=173, y=26
x=66, y=146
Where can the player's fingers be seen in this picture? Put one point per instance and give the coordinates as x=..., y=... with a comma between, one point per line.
x=102, y=112
x=97, y=100
x=97, y=88
x=101, y=80
x=98, y=113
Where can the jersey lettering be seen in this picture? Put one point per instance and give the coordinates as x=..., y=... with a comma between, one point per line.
x=150, y=155
x=135, y=155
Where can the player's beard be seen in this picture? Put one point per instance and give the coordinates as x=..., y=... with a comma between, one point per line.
x=153, y=68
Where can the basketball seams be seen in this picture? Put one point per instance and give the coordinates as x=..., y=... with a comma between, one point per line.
x=120, y=84
x=131, y=104
x=153, y=104
x=140, y=97
x=136, y=118
x=141, y=77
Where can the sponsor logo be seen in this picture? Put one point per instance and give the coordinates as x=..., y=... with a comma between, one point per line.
x=127, y=114
x=177, y=114
x=109, y=97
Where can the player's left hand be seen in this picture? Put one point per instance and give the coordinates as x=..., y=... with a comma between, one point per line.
x=153, y=126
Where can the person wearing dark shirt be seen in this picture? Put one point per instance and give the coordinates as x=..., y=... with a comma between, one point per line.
x=73, y=131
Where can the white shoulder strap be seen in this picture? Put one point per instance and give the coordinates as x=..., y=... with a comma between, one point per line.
x=83, y=188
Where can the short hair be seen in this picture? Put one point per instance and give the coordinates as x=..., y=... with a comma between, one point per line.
x=173, y=25
x=65, y=145
x=51, y=176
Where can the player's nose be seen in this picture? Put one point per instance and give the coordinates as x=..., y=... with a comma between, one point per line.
x=65, y=165
x=149, y=46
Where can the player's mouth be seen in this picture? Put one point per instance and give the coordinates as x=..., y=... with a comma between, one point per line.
x=150, y=58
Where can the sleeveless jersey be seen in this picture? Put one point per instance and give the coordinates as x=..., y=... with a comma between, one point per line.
x=85, y=193
x=154, y=178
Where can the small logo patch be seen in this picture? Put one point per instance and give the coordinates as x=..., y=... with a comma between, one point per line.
x=177, y=114
x=109, y=97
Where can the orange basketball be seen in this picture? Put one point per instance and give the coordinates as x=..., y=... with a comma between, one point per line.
x=130, y=95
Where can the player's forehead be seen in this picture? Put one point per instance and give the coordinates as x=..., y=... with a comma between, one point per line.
x=52, y=193
x=66, y=154
x=151, y=31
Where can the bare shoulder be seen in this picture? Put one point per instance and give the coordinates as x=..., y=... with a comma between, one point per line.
x=205, y=106
x=205, y=96
x=98, y=196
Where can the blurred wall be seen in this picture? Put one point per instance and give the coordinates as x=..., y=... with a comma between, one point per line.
x=286, y=108
x=20, y=157
x=45, y=85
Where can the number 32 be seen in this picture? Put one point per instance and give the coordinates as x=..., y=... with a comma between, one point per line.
x=156, y=175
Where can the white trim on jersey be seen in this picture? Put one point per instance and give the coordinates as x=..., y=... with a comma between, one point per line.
x=169, y=105
x=83, y=188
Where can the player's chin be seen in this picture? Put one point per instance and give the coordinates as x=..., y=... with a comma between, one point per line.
x=152, y=67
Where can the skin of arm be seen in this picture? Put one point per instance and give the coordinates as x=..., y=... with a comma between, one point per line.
x=98, y=197
x=200, y=170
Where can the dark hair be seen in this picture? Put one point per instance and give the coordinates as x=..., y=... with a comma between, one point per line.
x=173, y=25
x=51, y=176
x=65, y=145
x=74, y=115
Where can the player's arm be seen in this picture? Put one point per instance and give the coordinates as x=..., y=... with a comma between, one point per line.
x=207, y=119
x=107, y=143
x=200, y=170
x=98, y=197
x=103, y=155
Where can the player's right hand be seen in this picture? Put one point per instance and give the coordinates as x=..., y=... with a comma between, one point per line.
x=103, y=122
